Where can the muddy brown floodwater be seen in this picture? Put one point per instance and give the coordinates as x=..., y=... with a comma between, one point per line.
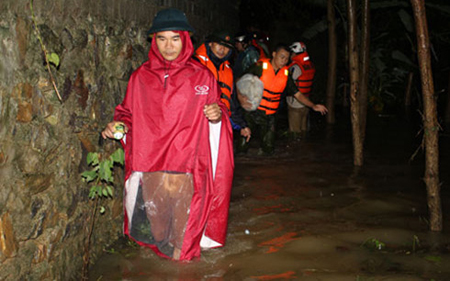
x=308, y=214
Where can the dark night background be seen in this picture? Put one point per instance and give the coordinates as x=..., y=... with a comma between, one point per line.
x=392, y=47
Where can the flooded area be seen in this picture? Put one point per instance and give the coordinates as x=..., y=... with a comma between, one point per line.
x=308, y=214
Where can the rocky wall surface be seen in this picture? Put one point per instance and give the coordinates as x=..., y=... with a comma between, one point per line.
x=45, y=211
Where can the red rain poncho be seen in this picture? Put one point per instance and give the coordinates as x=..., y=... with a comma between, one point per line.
x=169, y=134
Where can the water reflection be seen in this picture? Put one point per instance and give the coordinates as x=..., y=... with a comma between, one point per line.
x=308, y=214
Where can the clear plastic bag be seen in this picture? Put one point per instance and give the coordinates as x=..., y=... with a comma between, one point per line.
x=158, y=206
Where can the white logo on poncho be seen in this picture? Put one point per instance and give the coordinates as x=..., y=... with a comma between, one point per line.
x=201, y=90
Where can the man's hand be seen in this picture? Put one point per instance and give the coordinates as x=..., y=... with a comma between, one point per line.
x=320, y=108
x=316, y=107
x=246, y=133
x=108, y=132
x=213, y=112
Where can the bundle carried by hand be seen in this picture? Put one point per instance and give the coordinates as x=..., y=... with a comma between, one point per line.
x=252, y=88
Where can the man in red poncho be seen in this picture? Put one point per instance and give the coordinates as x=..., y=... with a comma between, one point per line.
x=178, y=148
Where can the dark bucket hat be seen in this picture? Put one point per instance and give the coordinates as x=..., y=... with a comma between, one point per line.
x=170, y=19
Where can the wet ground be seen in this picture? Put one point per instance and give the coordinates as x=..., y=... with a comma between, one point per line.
x=308, y=214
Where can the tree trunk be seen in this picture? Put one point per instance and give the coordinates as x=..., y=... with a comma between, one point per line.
x=332, y=61
x=365, y=59
x=430, y=122
x=354, y=84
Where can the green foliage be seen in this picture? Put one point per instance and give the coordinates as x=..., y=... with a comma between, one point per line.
x=407, y=20
x=101, y=176
x=374, y=244
x=387, y=78
x=53, y=58
x=132, y=243
x=110, y=251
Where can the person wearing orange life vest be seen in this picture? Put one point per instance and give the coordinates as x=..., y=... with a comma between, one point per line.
x=302, y=71
x=277, y=83
x=215, y=54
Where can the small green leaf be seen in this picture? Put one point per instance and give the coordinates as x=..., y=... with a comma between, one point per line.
x=110, y=251
x=105, y=171
x=407, y=20
x=92, y=158
x=89, y=175
x=54, y=59
x=93, y=192
x=110, y=190
x=89, y=157
x=118, y=156
x=105, y=192
x=102, y=210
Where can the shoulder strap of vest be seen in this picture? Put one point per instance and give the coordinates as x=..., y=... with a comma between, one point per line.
x=223, y=85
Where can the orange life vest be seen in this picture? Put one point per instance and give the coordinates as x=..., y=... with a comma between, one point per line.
x=223, y=75
x=274, y=84
x=305, y=80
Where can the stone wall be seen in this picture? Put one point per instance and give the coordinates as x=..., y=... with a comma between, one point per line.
x=44, y=205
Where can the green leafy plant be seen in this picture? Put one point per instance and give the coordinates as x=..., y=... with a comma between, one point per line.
x=101, y=174
x=53, y=58
x=101, y=180
x=374, y=244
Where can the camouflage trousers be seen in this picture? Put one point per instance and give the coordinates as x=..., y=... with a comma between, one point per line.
x=262, y=125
